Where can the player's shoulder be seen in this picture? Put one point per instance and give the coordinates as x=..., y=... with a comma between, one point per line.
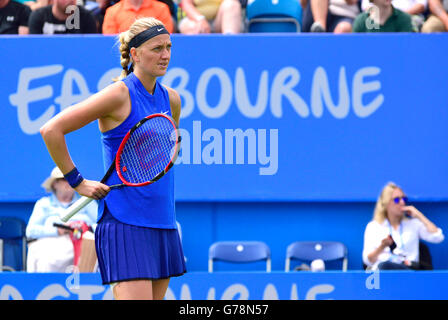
x=116, y=90
x=112, y=97
x=173, y=94
x=175, y=102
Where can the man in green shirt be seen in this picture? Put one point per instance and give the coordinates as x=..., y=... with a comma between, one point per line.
x=383, y=17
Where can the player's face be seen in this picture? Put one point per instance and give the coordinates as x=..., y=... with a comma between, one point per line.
x=154, y=55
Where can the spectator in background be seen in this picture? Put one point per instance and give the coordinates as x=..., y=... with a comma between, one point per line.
x=438, y=20
x=391, y=239
x=415, y=8
x=335, y=16
x=211, y=16
x=53, y=19
x=383, y=17
x=122, y=15
x=98, y=9
x=50, y=248
x=13, y=17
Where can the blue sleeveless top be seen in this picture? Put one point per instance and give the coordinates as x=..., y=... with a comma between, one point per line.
x=152, y=205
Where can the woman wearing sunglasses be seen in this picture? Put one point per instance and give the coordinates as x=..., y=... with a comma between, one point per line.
x=391, y=239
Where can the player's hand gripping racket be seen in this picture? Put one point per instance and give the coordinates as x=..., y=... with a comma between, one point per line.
x=146, y=153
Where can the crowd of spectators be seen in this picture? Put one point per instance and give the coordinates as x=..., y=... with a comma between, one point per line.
x=217, y=16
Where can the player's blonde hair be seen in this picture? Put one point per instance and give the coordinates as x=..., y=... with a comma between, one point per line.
x=380, y=212
x=125, y=37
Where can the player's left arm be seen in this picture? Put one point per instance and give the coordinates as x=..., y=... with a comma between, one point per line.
x=175, y=104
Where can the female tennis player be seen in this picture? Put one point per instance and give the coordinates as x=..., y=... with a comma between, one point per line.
x=137, y=241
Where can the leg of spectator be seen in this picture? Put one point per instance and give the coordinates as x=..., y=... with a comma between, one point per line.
x=319, y=8
x=228, y=19
x=343, y=27
x=307, y=18
x=387, y=265
x=433, y=24
x=187, y=26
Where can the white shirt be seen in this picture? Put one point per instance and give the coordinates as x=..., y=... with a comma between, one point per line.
x=403, y=5
x=341, y=8
x=407, y=238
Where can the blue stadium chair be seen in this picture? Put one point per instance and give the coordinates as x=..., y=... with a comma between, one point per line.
x=307, y=251
x=239, y=252
x=12, y=244
x=274, y=16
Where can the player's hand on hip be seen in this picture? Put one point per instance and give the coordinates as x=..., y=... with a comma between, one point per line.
x=92, y=189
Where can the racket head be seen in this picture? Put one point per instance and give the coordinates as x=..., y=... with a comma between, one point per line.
x=148, y=150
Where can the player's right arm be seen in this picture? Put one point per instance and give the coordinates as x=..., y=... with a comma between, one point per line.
x=109, y=106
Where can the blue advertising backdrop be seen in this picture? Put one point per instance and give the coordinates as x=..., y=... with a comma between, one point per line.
x=285, y=137
x=265, y=119
x=354, y=285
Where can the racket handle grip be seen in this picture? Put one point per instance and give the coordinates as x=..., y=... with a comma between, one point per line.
x=74, y=208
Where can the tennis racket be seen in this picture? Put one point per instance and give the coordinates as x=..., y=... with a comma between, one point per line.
x=145, y=155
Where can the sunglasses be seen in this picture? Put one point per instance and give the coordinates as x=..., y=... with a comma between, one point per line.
x=397, y=199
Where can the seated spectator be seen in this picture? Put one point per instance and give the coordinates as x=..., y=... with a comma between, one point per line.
x=50, y=248
x=13, y=17
x=391, y=239
x=173, y=9
x=438, y=19
x=54, y=19
x=211, y=16
x=98, y=9
x=415, y=8
x=335, y=16
x=122, y=15
x=383, y=17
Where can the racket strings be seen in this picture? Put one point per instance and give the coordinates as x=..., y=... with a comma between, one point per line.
x=148, y=150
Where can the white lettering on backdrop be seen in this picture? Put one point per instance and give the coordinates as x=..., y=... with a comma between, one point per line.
x=283, y=88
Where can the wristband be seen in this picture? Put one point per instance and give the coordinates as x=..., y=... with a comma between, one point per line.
x=74, y=178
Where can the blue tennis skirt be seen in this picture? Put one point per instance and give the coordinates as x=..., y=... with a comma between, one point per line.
x=126, y=252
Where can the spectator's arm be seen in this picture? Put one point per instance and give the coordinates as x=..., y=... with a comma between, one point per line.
x=374, y=244
x=23, y=20
x=39, y=224
x=417, y=8
x=373, y=255
x=428, y=231
x=35, y=23
x=436, y=8
x=24, y=30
